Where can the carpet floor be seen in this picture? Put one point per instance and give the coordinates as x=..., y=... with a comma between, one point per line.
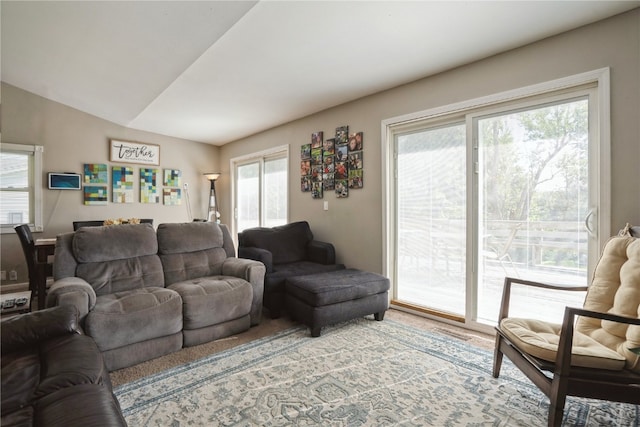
x=357, y=373
x=268, y=327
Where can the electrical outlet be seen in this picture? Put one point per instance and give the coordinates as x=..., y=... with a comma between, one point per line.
x=13, y=275
x=186, y=186
x=3, y=275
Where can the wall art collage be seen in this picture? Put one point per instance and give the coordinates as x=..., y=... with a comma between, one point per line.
x=96, y=180
x=332, y=164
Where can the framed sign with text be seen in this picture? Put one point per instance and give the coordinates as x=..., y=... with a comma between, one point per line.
x=134, y=152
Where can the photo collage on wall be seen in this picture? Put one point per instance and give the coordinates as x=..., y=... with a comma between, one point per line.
x=332, y=164
x=96, y=182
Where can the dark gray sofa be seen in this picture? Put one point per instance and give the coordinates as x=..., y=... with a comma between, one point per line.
x=52, y=375
x=142, y=294
x=286, y=251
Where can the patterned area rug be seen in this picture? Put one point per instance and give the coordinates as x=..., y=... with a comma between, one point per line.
x=358, y=373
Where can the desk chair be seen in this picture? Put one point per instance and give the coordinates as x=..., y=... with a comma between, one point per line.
x=37, y=284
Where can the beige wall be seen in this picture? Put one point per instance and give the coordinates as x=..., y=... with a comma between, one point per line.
x=72, y=138
x=354, y=224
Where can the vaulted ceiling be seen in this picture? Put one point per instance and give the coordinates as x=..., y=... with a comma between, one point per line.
x=217, y=71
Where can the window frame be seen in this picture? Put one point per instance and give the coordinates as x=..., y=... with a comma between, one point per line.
x=281, y=151
x=35, y=220
x=600, y=165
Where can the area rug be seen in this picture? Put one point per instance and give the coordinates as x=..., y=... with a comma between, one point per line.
x=358, y=373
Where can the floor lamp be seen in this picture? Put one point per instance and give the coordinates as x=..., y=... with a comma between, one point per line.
x=213, y=214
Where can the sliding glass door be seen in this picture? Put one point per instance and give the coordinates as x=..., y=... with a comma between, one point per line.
x=491, y=193
x=533, y=184
x=431, y=212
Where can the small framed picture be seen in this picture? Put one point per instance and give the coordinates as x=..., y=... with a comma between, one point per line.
x=305, y=184
x=342, y=188
x=355, y=160
x=342, y=134
x=316, y=190
x=305, y=152
x=328, y=147
x=355, y=179
x=305, y=167
x=316, y=140
x=341, y=170
x=355, y=141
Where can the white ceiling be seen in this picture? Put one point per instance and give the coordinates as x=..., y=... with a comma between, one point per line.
x=216, y=71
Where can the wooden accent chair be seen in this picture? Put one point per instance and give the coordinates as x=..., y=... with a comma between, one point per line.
x=595, y=353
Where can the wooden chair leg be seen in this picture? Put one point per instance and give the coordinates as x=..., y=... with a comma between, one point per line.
x=497, y=357
x=557, y=399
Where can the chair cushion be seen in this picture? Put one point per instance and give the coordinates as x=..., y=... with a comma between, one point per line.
x=134, y=316
x=616, y=289
x=540, y=339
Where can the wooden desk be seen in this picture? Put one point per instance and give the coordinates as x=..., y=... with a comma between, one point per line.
x=44, y=248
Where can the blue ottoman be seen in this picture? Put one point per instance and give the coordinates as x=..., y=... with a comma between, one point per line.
x=322, y=299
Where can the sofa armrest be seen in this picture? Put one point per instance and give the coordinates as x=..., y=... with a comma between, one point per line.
x=72, y=291
x=28, y=329
x=321, y=252
x=257, y=254
x=253, y=272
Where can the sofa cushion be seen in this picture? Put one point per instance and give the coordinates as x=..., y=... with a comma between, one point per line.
x=189, y=251
x=20, y=378
x=123, y=318
x=28, y=330
x=70, y=360
x=287, y=243
x=80, y=405
x=540, y=339
x=118, y=258
x=212, y=300
x=188, y=237
x=122, y=275
x=113, y=242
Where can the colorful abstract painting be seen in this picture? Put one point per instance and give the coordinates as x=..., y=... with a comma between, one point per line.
x=122, y=184
x=149, y=186
x=172, y=196
x=95, y=195
x=172, y=178
x=95, y=173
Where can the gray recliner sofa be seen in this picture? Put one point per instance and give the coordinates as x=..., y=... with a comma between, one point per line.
x=142, y=294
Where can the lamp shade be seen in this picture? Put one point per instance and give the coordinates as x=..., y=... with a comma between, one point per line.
x=212, y=176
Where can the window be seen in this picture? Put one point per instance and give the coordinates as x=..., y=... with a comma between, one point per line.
x=510, y=185
x=20, y=188
x=260, y=189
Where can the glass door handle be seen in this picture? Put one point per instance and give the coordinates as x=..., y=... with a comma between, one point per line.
x=587, y=223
